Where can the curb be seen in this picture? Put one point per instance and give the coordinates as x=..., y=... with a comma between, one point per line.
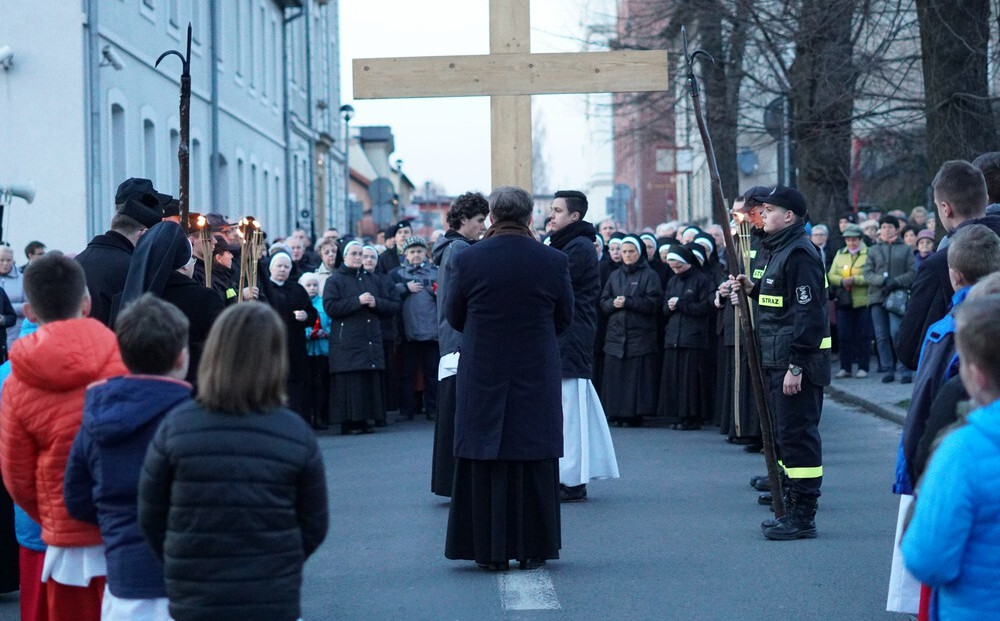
x=893, y=415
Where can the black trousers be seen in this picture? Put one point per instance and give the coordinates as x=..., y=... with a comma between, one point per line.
x=422, y=357
x=796, y=431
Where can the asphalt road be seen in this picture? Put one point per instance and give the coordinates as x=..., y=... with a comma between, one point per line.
x=677, y=537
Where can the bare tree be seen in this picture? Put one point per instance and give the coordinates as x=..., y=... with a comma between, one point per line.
x=539, y=171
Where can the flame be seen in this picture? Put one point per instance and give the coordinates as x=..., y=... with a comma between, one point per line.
x=201, y=222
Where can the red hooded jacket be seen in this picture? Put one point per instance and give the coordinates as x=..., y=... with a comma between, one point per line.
x=40, y=414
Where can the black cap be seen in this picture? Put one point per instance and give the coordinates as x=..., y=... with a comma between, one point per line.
x=400, y=225
x=223, y=245
x=146, y=214
x=217, y=221
x=781, y=196
x=850, y=216
x=135, y=187
x=757, y=189
x=172, y=208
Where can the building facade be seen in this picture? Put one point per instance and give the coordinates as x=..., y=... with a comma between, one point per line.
x=84, y=106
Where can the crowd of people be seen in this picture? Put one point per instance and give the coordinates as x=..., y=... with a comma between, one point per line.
x=139, y=387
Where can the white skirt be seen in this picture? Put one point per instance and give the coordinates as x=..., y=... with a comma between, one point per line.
x=588, y=452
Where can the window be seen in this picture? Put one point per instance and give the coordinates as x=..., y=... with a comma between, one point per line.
x=275, y=59
x=173, y=12
x=240, y=185
x=197, y=192
x=118, y=160
x=254, y=198
x=149, y=150
x=260, y=48
x=222, y=181
x=251, y=34
x=175, y=173
x=240, y=45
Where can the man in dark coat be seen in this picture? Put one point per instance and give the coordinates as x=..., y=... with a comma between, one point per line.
x=510, y=297
x=466, y=219
x=106, y=258
x=588, y=452
x=961, y=197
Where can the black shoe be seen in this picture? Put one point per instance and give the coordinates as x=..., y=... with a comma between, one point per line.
x=762, y=485
x=758, y=477
x=789, y=527
x=504, y=566
x=380, y=423
x=690, y=427
x=531, y=563
x=574, y=493
x=765, y=499
x=754, y=448
x=906, y=379
x=888, y=378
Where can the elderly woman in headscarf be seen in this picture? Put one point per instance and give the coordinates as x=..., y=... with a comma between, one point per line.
x=687, y=305
x=292, y=303
x=631, y=300
x=163, y=264
x=355, y=302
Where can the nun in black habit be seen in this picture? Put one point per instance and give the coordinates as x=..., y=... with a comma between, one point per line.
x=631, y=301
x=163, y=264
x=297, y=312
x=687, y=305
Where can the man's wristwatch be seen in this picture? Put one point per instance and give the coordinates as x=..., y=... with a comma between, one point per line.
x=795, y=369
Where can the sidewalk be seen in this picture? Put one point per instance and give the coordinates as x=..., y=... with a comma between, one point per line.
x=888, y=401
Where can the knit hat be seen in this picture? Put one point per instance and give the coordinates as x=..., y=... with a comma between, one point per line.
x=414, y=240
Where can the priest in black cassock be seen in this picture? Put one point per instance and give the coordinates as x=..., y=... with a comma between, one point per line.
x=510, y=297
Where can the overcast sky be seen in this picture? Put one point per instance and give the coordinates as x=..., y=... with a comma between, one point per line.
x=446, y=140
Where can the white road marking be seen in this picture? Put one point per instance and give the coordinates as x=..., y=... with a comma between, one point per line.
x=527, y=590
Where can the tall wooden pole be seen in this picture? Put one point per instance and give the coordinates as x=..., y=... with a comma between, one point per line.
x=753, y=355
x=184, y=149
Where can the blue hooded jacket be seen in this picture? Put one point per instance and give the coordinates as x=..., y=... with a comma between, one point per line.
x=120, y=417
x=953, y=542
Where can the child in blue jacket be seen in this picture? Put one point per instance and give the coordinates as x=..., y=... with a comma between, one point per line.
x=953, y=541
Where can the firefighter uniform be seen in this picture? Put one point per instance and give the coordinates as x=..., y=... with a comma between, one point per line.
x=794, y=334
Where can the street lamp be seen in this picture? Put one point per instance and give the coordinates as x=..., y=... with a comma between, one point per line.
x=347, y=112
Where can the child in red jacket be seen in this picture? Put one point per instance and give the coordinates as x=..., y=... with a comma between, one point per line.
x=41, y=410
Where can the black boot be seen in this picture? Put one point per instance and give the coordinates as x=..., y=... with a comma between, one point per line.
x=572, y=493
x=798, y=523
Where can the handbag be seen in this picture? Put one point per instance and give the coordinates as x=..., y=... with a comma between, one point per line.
x=895, y=302
x=843, y=298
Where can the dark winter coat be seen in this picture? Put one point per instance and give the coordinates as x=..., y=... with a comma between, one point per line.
x=388, y=261
x=449, y=339
x=120, y=416
x=105, y=262
x=930, y=298
x=510, y=297
x=233, y=505
x=286, y=299
x=201, y=306
x=355, y=334
x=689, y=325
x=888, y=267
x=576, y=343
x=632, y=330
x=419, y=310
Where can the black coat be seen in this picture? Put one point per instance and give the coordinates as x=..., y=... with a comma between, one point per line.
x=355, y=333
x=930, y=299
x=201, y=306
x=689, y=324
x=105, y=262
x=286, y=299
x=509, y=297
x=576, y=343
x=233, y=505
x=388, y=261
x=632, y=330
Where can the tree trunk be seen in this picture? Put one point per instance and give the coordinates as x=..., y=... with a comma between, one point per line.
x=954, y=36
x=822, y=80
x=722, y=86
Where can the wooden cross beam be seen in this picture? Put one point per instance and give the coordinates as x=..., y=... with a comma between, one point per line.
x=509, y=75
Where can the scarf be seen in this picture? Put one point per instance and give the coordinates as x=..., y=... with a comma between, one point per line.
x=509, y=227
x=581, y=228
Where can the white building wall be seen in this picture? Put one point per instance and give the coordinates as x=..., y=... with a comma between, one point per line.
x=42, y=138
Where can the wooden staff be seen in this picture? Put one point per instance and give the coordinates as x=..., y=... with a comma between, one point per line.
x=183, y=148
x=207, y=247
x=753, y=354
x=251, y=242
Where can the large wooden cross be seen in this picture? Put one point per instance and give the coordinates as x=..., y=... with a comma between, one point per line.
x=509, y=75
